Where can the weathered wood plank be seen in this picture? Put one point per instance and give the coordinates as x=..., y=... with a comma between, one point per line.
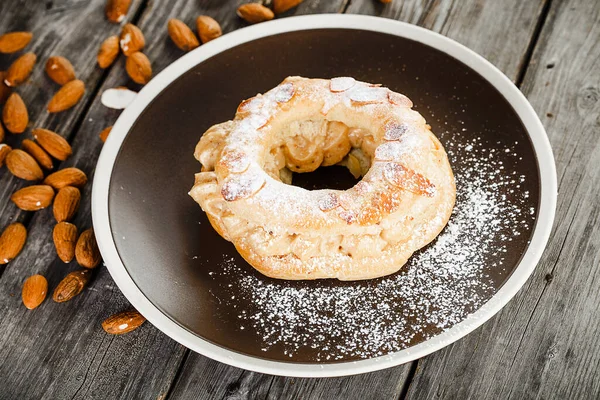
x=90, y=357
x=469, y=21
x=63, y=345
x=498, y=30
x=544, y=344
x=69, y=28
x=203, y=378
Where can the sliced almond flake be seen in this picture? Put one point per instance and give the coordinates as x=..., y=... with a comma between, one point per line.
x=368, y=94
x=407, y=179
x=341, y=84
x=284, y=93
x=399, y=99
x=234, y=160
x=328, y=202
x=395, y=131
x=348, y=216
x=238, y=187
x=117, y=98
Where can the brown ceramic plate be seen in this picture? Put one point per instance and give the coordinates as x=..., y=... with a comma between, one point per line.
x=192, y=284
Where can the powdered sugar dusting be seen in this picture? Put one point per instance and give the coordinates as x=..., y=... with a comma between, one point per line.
x=439, y=286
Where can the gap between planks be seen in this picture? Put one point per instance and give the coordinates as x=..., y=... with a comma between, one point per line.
x=533, y=42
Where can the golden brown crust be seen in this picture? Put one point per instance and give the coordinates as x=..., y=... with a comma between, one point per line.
x=402, y=203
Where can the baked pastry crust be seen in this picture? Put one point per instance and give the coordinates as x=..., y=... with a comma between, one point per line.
x=402, y=203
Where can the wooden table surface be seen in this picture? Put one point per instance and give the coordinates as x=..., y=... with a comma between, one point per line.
x=544, y=344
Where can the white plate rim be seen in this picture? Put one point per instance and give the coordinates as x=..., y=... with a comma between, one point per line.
x=529, y=260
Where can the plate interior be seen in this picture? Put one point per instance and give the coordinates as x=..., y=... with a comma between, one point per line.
x=197, y=278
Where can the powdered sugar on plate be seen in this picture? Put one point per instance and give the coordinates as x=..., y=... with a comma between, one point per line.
x=439, y=286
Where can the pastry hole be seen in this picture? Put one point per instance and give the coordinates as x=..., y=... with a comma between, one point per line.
x=334, y=177
x=317, y=154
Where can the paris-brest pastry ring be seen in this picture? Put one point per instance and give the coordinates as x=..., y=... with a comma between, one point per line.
x=403, y=201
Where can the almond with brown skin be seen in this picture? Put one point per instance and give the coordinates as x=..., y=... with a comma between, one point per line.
x=138, y=68
x=14, y=41
x=64, y=236
x=131, y=40
x=2, y=134
x=71, y=285
x=5, y=91
x=4, y=150
x=33, y=198
x=86, y=251
x=123, y=322
x=109, y=50
x=66, y=177
x=254, y=13
x=385, y=1
x=53, y=143
x=116, y=10
x=34, y=291
x=67, y=96
x=182, y=35
x=20, y=70
x=38, y=153
x=281, y=6
x=208, y=28
x=60, y=70
x=66, y=203
x=23, y=166
x=104, y=134
x=14, y=114
x=12, y=241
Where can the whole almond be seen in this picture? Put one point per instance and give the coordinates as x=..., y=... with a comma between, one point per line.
x=64, y=236
x=14, y=41
x=53, y=143
x=33, y=198
x=123, y=322
x=14, y=114
x=132, y=39
x=182, y=35
x=67, y=96
x=38, y=153
x=138, y=68
x=109, y=50
x=66, y=177
x=281, y=6
x=71, y=285
x=254, y=13
x=208, y=28
x=34, y=291
x=23, y=166
x=60, y=70
x=105, y=132
x=2, y=134
x=4, y=90
x=116, y=10
x=66, y=203
x=86, y=251
x=4, y=150
x=20, y=69
x=12, y=241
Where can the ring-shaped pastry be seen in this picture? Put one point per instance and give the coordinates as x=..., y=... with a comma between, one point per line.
x=401, y=204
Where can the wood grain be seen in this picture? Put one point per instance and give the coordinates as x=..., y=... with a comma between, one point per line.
x=544, y=343
x=500, y=31
x=60, y=350
x=203, y=378
x=69, y=28
x=63, y=345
